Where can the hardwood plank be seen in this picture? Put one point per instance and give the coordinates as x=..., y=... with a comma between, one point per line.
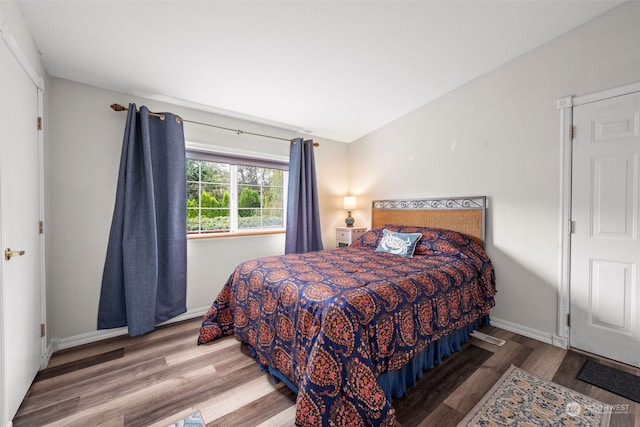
x=285, y=418
x=569, y=368
x=498, y=333
x=116, y=422
x=437, y=383
x=260, y=410
x=80, y=377
x=164, y=376
x=173, y=344
x=118, y=405
x=443, y=416
x=544, y=359
x=623, y=414
x=465, y=397
x=237, y=398
x=164, y=422
x=190, y=352
x=45, y=414
x=111, y=382
x=79, y=364
x=130, y=379
x=202, y=388
x=87, y=350
x=131, y=362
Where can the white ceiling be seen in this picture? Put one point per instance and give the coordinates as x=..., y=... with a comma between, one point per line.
x=335, y=69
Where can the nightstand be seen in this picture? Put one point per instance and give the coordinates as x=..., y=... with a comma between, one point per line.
x=346, y=235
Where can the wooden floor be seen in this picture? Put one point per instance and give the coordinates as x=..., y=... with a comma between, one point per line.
x=163, y=376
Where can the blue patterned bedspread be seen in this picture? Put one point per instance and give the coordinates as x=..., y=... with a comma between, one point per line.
x=332, y=321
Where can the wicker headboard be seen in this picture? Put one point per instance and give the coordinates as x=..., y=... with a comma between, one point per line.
x=463, y=214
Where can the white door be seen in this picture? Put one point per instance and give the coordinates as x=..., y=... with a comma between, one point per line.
x=21, y=296
x=605, y=250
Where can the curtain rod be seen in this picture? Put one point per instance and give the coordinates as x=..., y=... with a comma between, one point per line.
x=118, y=107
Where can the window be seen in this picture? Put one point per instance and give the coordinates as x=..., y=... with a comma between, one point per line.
x=231, y=193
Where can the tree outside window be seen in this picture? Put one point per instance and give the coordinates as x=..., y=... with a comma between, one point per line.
x=224, y=197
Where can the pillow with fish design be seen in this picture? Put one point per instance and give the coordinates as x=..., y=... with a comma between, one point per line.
x=402, y=244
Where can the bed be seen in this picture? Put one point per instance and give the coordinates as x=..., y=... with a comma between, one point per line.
x=349, y=329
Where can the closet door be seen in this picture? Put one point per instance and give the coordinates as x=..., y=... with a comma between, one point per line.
x=605, y=244
x=20, y=239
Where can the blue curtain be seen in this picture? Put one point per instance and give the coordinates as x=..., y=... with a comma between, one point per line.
x=303, y=219
x=145, y=272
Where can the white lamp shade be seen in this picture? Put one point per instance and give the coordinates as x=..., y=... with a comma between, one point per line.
x=349, y=203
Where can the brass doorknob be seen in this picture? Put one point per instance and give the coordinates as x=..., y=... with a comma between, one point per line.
x=8, y=253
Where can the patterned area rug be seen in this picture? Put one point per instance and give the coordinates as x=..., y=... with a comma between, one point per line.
x=193, y=420
x=519, y=398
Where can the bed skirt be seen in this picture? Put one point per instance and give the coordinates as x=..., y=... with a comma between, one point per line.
x=395, y=383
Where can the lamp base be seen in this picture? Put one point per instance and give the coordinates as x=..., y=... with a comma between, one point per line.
x=349, y=220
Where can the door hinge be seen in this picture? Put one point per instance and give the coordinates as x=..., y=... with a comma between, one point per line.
x=572, y=227
x=568, y=320
x=572, y=132
x=42, y=330
x=39, y=123
x=41, y=227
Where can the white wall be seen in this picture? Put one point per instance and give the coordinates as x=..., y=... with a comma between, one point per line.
x=497, y=136
x=85, y=139
x=500, y=136
x=12, y=16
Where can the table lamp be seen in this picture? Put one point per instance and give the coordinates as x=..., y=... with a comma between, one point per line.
x=348, y=204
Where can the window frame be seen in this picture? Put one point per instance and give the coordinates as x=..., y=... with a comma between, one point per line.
x=235, y=157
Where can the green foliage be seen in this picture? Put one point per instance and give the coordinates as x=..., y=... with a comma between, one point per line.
x=260, y=202
x=192, y=209
x=210, y=206
x=248, y=199
x=208, y=224
x=259, y=222
x=207, y=172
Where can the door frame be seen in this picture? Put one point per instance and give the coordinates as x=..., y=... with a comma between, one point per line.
x=14, y=48
x=565, y=106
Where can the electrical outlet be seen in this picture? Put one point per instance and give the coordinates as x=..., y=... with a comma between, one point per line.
x=559, y=341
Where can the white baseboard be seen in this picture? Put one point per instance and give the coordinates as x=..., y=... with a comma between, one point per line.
x=93, y=336
x=46, y=357
x=529, y=332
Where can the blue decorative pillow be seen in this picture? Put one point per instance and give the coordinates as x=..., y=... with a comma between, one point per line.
x=402, y=244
